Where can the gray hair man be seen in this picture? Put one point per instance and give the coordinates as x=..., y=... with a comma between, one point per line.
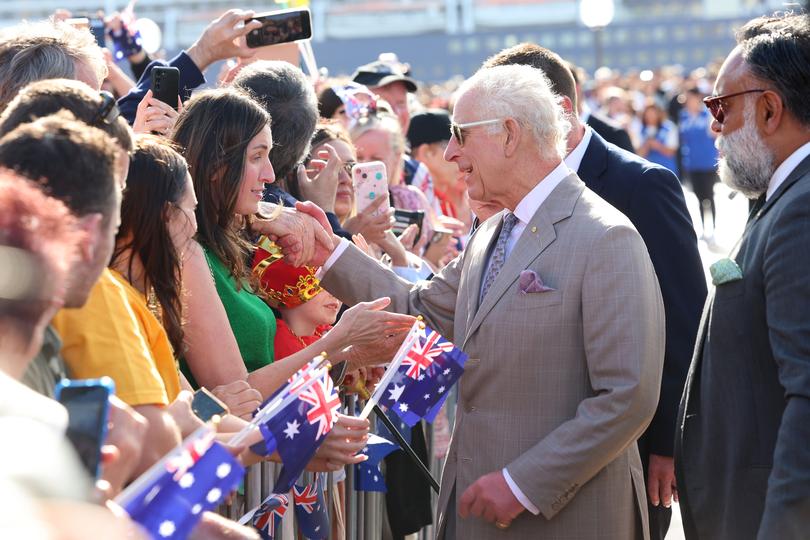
x=556, y=303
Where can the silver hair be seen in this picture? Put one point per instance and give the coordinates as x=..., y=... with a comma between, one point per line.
x=523, y=93
x=45, y=50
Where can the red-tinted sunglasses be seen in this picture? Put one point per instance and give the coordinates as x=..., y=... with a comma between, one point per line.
x=715, y=103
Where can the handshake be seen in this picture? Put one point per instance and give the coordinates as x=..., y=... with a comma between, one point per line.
x=303, y=232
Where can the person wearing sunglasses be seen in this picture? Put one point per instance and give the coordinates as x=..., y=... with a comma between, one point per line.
x=556, y=303
x=741, y=444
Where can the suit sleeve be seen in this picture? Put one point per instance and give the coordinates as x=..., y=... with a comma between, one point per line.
x=622, y=140
x=787, y=295
x=662, y=219
x=355, y=277
x=623, y=328
x=190, y=78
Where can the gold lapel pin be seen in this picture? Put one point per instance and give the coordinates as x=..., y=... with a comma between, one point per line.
x=534, y=229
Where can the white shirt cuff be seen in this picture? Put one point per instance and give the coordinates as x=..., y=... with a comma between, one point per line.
x=527, y=504
x=338, y=251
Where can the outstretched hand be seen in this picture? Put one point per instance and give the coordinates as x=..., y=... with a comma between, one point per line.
x=303, y=232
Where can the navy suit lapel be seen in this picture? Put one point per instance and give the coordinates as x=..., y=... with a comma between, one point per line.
x=594, y=164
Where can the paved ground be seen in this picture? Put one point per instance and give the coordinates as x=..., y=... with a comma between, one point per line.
x=731, y=217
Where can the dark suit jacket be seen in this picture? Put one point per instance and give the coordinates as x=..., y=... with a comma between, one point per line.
x=743, y=446
x=610, y=131
x=652, y=198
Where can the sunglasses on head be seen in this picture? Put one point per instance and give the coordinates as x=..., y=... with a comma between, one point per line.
x=715, y=104
x=457, y=130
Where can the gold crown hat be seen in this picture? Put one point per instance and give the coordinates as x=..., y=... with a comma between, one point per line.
x=282, y=284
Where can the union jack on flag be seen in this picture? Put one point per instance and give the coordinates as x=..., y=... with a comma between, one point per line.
x=297, y=429
x=325, y=405
x=425, y=373
x=311, y=512
x=421, y=356
x=269, y=515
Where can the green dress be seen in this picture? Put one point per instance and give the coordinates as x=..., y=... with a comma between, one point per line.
x=252, y=321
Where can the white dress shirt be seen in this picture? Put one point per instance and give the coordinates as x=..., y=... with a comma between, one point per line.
x=574, y=158
x=783, y=171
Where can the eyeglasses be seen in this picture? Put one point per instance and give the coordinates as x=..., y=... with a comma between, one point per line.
x=457, y=130
x=107, y=111
x=715, y=104
x=347, y=166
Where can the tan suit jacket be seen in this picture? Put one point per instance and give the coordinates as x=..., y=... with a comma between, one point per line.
x=559, y=384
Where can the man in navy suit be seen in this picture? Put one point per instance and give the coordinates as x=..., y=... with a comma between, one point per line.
x=651, y=197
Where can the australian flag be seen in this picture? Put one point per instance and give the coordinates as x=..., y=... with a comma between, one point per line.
x=427, y=371
x=367, y=475
x=310, y=510
x=300, y=427
x=168, y=501
x=267, y=518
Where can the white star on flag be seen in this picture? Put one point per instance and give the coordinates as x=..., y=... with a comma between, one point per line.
x=223, y=470
x=446, y=371
x=441, y=389
x=166, y=529
x=420, y=378
x=403, y=407
x=292, y=429
x=427, y=396
x=396, y=392
x=196, y=509
x=186, y=481
x=213, y=495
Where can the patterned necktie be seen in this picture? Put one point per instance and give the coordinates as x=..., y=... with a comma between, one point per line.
x=498, y=256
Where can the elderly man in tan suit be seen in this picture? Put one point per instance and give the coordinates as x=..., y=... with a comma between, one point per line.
x=557, y=304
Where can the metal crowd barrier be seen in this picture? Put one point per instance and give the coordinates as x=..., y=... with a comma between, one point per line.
x=364, y=515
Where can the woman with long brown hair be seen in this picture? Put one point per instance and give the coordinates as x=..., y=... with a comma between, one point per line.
x=229, y=333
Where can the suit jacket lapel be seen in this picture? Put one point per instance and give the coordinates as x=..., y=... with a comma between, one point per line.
x=559, y=206
x=594, y=163
x=487, y=233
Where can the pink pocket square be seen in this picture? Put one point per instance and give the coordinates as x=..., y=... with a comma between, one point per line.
x=530, y=282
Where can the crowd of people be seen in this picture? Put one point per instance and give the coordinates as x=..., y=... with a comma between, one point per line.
x=533, y=217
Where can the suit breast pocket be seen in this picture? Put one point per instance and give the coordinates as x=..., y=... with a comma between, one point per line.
x=538, y=301
x=728, y=291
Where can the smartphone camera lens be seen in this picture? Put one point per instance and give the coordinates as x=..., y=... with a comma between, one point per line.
x=365, y=175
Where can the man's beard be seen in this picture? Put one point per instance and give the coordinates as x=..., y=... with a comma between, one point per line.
x=747, y=164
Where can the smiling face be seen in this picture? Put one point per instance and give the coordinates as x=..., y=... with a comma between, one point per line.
x=480, y=159
x=257, y=172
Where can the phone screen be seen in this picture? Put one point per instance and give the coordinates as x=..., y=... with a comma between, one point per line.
x=281, y=27
x=87, y=419
x=205, y=405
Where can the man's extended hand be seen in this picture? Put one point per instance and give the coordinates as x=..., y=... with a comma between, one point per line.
x=490, y=499
x=661, y=484
x=303, y=232
x=224, y=38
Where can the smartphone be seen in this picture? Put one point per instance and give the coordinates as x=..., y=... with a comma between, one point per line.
x=282, y=26
x=404, y=218
x=206, y=405
x=370, y=183
x=166, y=85
x=88, y=403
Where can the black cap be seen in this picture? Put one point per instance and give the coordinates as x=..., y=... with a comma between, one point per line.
x=428, y=127
x=381, y=73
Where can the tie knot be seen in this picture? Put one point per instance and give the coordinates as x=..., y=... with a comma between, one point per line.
x=509, y=222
